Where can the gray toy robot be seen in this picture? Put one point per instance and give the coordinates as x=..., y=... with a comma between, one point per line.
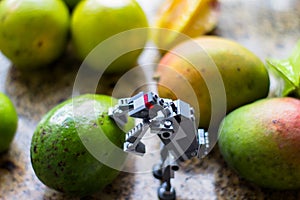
x=173, y=122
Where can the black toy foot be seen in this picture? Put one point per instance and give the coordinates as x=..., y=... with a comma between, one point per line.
x=164, y=194
x=157, y=171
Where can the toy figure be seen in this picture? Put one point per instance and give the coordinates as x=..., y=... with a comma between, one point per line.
x=173, y=122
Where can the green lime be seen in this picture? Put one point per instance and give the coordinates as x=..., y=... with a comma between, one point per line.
x=8, y=122
x=76, y=147
x=33, y=33
x=94, y=21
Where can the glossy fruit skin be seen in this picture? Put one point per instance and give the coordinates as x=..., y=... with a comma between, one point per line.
x=60, y=156
x=95, y=21
x=8, y=122
x=33, y=33
x=243, y=75
x=261, y=141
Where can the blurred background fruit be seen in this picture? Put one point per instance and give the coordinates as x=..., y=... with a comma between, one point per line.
x=188, y=68
x=69, y=141
x=190, y=18
x=33, y=33
x=94, y=21
x=8, y=122
x=71, y=3
x=261, y=141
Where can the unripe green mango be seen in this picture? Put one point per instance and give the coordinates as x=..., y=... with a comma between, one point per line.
x=76, y=147
x=185, y=72
x=261, y=141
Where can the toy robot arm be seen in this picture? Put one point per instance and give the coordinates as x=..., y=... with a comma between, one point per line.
x=133, y=142
x=144, y=106
x=120, y=111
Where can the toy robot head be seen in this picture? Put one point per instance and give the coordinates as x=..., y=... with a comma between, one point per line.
x=145, y=105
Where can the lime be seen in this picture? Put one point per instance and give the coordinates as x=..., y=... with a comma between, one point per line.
x=8, y=122
x=33, y=33
x=94, y=21
x=191, y=18
x=76, y=147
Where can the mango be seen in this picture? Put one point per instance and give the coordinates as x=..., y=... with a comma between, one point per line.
x=261, y=142
x=76, y=147
x=196, y=69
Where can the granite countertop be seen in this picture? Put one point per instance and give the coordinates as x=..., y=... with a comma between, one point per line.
x=269, y=28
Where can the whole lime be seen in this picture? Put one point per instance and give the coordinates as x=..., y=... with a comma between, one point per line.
x=76, y=147
x=190, y=72
x=8, y=122
x=94, y=21
x=33, y=33
x=261, y=141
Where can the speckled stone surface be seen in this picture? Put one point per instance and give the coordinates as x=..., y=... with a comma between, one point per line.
x=269, y=28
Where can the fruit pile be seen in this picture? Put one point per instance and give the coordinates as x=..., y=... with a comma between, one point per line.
x=227, y=85
x=34, y=34
x=261, y=140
